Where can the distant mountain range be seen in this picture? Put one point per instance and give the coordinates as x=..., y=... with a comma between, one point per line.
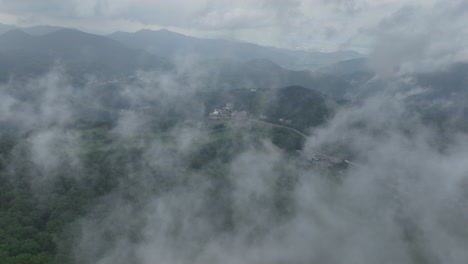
x=165, y=43
x=5, y=28
x=81, y=53
x=32, y=51
x=347, y=67
x=262, y=73
x=170, y=44
x=22, y=54
x=34, y=30
x=221, y=66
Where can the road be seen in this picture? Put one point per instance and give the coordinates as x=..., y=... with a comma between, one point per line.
x=276, y=125
x=335, y=159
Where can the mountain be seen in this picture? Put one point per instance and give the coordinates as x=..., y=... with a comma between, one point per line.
x=449, y=83
x=41, y=30
x=5, y=28
x=261, y=73
x=80, y=52
x=356, y=72
x=22, y=54
x=34, y=30
x=170, y=44
x=13, y=39
x=347, y=67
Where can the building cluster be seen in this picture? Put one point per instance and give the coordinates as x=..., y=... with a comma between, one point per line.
x=227, y=111
x=319, y=160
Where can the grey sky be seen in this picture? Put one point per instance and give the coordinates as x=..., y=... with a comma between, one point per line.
x=305, y=24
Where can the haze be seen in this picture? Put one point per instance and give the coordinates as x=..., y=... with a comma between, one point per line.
x=209, y=132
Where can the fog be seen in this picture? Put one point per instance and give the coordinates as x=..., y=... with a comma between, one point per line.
x=404, y=200
x=405, y=204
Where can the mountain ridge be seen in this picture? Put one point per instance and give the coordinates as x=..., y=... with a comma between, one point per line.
x=81, y=52
x=168, y=43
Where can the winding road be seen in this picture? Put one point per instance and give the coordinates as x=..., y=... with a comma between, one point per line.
x=335, y=159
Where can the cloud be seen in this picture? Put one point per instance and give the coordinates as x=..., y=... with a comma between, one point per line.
x=292, y=23
x=376, y=213
x=418, y=39
x=405, y=204
x=261, y=207
x=42, y=101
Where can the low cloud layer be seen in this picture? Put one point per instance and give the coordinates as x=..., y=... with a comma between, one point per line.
x=404, y=204
x=415, y=39
x=404, y=201
x=292, y=24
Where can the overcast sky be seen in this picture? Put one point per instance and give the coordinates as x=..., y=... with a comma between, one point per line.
x=305, y=24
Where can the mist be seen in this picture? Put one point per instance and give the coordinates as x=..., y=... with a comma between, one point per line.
x=189, y=163
x=405, y=204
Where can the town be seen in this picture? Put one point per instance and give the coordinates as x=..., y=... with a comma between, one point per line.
x=229, y=111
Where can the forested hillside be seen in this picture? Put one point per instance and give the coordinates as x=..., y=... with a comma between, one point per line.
x=40, y=203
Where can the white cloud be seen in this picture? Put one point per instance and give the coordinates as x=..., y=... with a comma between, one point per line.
x=421, y=39
x=292, y=23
